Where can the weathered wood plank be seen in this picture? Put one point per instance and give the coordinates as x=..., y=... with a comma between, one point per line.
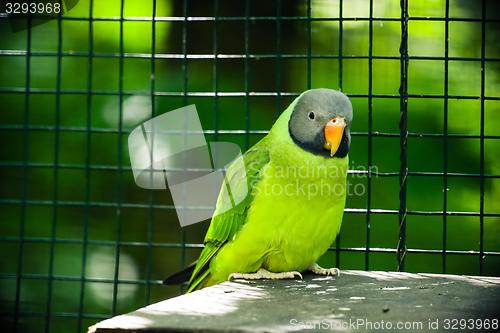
x=319, y=303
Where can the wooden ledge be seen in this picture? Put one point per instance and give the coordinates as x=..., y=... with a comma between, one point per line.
x=319, y=303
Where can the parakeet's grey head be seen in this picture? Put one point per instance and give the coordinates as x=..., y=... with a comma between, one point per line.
x=320, y=122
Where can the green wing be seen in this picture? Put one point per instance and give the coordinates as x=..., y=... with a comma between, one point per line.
x=225, y=225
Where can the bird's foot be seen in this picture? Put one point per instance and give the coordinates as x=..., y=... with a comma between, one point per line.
x=265, y=274
x=317, y=269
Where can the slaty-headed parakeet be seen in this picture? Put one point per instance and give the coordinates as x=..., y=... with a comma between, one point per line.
x=296, y=176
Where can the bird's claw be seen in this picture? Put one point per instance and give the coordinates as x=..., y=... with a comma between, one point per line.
x=317, y=269
x=265, y=274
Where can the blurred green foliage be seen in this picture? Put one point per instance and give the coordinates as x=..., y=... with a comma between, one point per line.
x=144, y=216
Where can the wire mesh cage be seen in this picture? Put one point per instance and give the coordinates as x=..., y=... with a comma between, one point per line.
x=82, y=242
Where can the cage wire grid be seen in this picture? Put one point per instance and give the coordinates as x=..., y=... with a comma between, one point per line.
x=119, y=204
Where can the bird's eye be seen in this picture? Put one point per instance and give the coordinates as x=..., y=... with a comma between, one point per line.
x=311, y=115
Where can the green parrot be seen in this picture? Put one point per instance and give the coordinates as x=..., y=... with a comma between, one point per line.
x=296, y=178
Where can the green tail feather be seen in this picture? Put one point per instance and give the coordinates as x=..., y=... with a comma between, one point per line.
x=199, y=282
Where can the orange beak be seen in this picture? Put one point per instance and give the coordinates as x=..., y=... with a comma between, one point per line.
x=334, y=130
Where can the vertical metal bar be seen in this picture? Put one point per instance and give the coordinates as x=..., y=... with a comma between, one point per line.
x=55, y=193
x=247, y=75
x=24, y=190
x=309, y=42
x=278, y=59
x=152, y=86
x=215, y=71
x=370, y=129
x=119, y=185
x=403, y=132
x=481, y=140
x=341, y=36
x=87, y=167
x=341, y=43
x=185, y=101
x=445, y=136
